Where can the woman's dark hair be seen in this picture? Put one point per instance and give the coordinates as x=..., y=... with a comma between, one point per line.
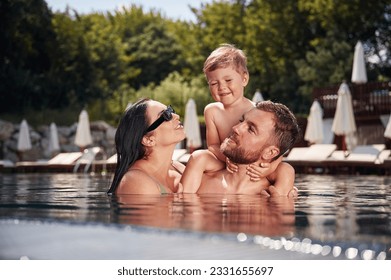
x=128, y=137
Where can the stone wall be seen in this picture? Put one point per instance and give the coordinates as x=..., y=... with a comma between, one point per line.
x=101, y=132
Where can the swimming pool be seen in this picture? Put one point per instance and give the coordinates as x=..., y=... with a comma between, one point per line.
x=69, y=216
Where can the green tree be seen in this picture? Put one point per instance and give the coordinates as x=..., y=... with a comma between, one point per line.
x=26, y=40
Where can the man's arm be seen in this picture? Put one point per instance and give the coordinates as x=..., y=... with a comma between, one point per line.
x=200, y=161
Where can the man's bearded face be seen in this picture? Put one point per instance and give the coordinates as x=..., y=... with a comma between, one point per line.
x=240, y=155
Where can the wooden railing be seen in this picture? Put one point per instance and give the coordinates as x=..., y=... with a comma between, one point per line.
x=370, y=100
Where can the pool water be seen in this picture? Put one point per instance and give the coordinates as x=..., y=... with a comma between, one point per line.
x=342, y=217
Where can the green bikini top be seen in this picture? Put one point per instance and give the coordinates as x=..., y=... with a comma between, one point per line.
x=161, y=187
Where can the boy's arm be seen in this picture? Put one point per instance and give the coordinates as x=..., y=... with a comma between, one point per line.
x=199, y=162
x=212, y=135
x=257, y=172
x=283, y=180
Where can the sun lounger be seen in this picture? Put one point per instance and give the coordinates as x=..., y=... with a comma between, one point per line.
x=65, y=158
x=63, y=162
x=297, y=153
x=383, y=156
x=88, y=159
x=367, y=153
x=6, y=163
x=316, y=152
x=178, y=153
x=362, y=159
x=308, y=159
x=112, y=159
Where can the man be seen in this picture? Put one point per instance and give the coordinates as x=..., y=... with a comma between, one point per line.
x=262, y=135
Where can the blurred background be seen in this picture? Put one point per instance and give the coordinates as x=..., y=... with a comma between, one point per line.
x=57, y=62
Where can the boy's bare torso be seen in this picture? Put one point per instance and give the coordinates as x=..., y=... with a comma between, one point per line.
x=226, y=118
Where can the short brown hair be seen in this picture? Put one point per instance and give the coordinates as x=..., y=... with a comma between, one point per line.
x=286, y=129
x=224, y=56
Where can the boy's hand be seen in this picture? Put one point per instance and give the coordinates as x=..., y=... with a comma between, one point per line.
x=273, y=192
x=231, y=167
x=257, y=172
x=293, y=193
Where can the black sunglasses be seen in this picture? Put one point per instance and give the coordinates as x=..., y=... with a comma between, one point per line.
x=165, y=116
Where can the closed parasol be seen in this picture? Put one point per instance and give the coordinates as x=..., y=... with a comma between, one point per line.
x=83, y=133
x=192, y=126
x=314, y=131
x=344, y=123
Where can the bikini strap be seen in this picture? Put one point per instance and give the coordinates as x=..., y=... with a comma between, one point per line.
x=160, y=186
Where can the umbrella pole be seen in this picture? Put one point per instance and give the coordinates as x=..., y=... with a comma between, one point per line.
x=20, y=155
x=344, y=146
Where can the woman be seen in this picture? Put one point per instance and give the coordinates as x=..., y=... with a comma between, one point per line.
x=145, y=141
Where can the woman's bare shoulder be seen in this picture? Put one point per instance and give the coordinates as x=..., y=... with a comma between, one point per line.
x=137, y=182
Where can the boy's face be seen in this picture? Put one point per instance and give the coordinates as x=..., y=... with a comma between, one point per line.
x=226, y=85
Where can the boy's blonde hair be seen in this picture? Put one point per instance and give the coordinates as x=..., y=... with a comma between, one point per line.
x=224, y=56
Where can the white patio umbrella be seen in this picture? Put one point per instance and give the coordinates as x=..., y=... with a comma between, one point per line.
x=314, y=130
x=54, y=144
x=83, y=133
x=24, y=141
x=344, y=123
x=130, y=104
x=387, y=132
x=359, y=73
x=257, y=96
x=192, y=126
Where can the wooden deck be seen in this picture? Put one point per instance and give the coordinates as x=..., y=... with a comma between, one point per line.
x=370, y=100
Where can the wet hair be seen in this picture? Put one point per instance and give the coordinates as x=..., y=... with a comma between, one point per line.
x=286, y=129
x=224, y=56
x=130, y=132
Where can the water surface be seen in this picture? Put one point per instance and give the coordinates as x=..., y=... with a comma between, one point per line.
x=331, y=211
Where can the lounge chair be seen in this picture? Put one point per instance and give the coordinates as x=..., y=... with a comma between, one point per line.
x=62, y=162
x=112, y=159
x=310, y=159
x=65, y=158
x=6, y=164
x=178, y=153
x=297, y=153
x=88, y=159
x=366, y=153
x=384, y=155
x=315, y=152
x=362, y=159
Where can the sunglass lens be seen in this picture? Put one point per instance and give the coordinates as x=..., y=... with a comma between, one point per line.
x=167, y=114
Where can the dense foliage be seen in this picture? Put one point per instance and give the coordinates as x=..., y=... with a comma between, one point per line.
x=63, y=61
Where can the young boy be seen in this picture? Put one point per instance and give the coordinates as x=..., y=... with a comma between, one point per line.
x=227, y=76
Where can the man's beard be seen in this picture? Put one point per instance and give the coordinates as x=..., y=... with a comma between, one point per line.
x=238, y=154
